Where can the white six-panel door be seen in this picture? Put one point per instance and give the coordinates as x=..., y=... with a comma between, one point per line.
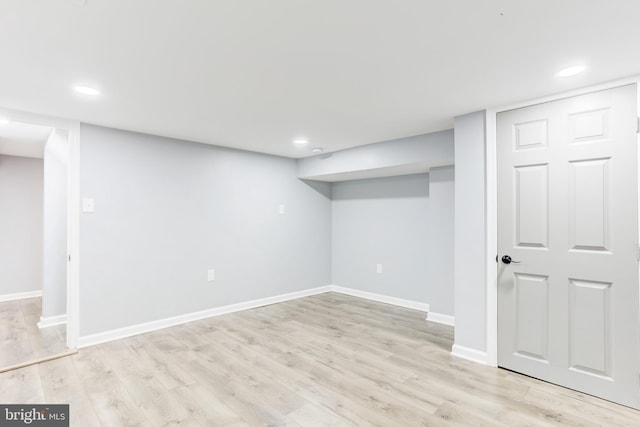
x=568, y=312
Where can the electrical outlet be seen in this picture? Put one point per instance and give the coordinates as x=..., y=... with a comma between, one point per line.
x=281, y=209
x=211, y=275
x=88, y=205
x=379, y=268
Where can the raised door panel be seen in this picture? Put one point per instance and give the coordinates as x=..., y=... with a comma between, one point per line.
x=528, y=135
x=589, y=205
x=589, y=126
x=531, y=210
x=590, y=327
x=532, y=316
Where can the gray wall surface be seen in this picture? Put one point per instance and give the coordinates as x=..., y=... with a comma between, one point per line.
x=386, y=221
x=440, y=256
x=54, y=283
x=166, y=211
x=470, y=232
x=21, y=182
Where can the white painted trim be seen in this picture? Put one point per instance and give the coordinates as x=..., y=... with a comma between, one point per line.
x=491, y=199
x=155, y=325
x=470, y=354
x=381, y=298
x=445, y=319
x=638, y=163
x=46, y=322
x=491, y=228
x=20, y=295
x=568, y=94
x=73, y=238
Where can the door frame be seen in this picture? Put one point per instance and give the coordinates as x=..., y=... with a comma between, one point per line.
x=491, y=199
x=73, y=212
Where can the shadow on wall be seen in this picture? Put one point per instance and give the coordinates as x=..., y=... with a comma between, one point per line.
x=323, y=188
x=404, y=186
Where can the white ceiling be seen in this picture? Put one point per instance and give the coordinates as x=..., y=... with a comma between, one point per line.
x=23, y=139
x=255, y=74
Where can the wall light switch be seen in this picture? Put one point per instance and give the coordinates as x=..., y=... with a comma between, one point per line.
x=281, y=209
x=211, y=275
x=379, y=268
x=88, y=205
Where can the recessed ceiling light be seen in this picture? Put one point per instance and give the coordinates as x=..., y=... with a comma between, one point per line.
x=317, y=150
x=571, y=71
x=86, y=90
x=300, y=141
x=4, y=121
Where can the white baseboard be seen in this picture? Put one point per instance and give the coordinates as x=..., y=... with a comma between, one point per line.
x=20, y=295
x=381, y=298
x=155, y=325
x=46, y=322
x=470, y=354
x=445, y=319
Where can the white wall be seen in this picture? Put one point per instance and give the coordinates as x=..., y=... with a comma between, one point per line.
x=166, y=211
x=382, y=221
x=470, y=237
x=20, y=224
x=404, y=223
x=441, y=251
x=54, y=284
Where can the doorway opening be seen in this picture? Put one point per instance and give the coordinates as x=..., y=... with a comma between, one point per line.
x=39, y=275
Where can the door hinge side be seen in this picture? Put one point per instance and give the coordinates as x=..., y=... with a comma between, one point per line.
x=638, y=253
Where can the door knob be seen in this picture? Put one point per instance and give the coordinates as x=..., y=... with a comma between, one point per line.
x=507, y=260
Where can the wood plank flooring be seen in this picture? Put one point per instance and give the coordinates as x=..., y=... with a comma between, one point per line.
x=325, y=360
x=20, y=338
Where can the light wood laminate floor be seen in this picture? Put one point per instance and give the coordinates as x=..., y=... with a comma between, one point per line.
x=325, y=360
x=20, y=338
